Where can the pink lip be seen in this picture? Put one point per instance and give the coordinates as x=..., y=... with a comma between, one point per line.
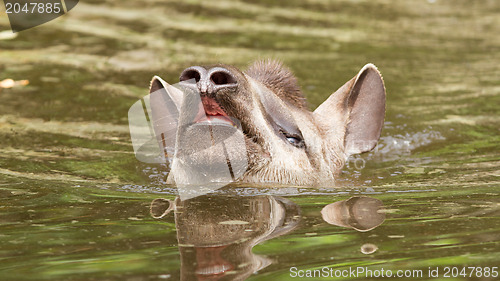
x=215, y=120
x=211, y=265
x=210, y=112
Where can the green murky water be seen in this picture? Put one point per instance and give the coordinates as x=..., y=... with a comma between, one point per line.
x=77, y=205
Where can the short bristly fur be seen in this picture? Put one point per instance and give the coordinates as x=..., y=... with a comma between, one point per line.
x=278, y=79
x=285, y=142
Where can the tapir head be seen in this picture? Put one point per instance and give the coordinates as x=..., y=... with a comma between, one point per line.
x=280, y=139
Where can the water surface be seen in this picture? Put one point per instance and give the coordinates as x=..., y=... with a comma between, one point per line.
x=77, y=205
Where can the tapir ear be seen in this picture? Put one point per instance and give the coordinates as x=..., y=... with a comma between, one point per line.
x=173, y=93
x=165, y=103
x=156, y=84
x=359, y=107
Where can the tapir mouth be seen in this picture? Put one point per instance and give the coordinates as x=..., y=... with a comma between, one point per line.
x=211, y=113
x=210, y=263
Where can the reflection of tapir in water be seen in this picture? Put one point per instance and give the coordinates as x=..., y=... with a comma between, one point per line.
x=216, y=234
x=279, y=140
x=360, y=213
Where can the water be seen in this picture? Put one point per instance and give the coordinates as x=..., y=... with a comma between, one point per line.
x=76, y=205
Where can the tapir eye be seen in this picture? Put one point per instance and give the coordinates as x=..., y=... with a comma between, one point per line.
x=294, y=140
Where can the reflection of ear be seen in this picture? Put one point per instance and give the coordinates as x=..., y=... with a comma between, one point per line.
x=286, y=216
x=360, y=213
x=160, y=207
x=359, y=107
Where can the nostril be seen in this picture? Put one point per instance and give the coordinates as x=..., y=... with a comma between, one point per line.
x=190, y=74
x=222, y=78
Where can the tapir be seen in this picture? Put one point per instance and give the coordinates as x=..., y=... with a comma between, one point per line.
x=280, y=139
